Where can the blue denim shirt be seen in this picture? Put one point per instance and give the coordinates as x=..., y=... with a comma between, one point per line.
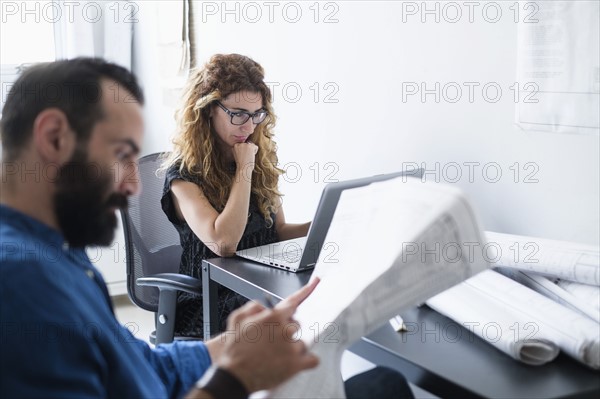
x=58, y=333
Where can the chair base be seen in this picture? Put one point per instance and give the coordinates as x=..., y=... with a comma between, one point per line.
x=152, y=338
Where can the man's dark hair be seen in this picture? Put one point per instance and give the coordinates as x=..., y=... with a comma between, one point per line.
x=73, y=86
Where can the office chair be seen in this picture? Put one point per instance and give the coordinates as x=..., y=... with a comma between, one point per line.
x=153, y=253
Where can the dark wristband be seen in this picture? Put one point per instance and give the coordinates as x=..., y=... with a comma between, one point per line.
x=221, y=384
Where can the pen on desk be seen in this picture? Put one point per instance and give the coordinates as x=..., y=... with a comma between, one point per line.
x=398, y=323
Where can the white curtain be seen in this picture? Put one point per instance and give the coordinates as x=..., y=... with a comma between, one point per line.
x=95, y=29
x=161, y=59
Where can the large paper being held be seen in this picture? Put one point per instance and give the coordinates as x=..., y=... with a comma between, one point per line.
x=398, y=243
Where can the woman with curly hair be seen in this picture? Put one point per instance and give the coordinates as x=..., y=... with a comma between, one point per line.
x=221, y=178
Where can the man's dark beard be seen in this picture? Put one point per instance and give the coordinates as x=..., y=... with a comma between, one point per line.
x=81, y=203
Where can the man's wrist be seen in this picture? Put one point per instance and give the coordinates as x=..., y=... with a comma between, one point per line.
x=221, y=383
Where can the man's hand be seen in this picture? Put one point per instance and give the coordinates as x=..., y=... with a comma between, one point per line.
x=259, y=344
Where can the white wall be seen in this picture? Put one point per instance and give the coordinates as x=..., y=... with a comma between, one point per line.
x=362, y=61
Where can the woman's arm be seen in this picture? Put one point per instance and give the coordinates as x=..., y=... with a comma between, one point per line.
x=287, y=231
x=220, y=232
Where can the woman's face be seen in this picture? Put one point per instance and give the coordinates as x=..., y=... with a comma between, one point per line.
x=228, y=134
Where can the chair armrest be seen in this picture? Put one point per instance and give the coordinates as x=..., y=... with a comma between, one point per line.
x=172, y=282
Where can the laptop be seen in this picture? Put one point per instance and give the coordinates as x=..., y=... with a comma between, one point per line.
x=302, y=253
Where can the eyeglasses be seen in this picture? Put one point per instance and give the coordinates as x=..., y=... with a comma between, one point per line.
x=241, y=117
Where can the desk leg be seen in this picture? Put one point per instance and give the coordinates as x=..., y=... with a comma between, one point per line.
x=209, y=302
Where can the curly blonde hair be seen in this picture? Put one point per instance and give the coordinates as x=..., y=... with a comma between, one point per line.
x=195, y=148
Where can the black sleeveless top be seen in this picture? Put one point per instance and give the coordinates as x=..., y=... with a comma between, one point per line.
x=189, y=307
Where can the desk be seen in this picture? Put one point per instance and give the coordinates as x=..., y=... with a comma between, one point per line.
x=436, y=353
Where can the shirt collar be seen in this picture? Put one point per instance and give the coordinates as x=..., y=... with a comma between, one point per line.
x=24, y=222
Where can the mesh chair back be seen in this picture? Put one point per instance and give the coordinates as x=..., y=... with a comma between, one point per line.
x=152, y=244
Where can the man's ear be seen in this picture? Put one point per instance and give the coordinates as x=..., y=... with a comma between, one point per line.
x=53, y=137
